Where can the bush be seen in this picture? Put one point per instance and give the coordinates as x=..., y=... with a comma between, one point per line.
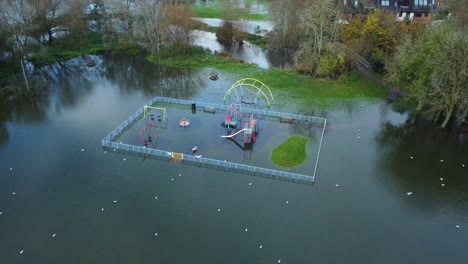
x=225, y=33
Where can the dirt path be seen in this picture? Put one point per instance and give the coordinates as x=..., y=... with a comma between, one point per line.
x=393, y=93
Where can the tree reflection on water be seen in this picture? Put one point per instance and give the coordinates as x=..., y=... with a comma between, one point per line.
x=416, y=157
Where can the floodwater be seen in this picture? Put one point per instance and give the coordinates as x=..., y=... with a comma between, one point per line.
x=378, y=195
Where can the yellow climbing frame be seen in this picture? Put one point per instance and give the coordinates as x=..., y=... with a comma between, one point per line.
x=253, y=83
x=145, y=112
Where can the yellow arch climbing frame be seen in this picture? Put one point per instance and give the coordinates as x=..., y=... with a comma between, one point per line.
x=254, y=83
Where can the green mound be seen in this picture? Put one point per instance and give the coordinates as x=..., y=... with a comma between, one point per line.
x=291, y=153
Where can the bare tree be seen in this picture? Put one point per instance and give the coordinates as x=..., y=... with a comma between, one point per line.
x=152, y=20
x=318, y=26
x=15, y=18
x=284, y=35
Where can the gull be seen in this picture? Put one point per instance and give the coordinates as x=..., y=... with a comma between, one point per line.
x=337, y=185
x=287, y=201
x=53, y=235
x=260, y=246
x=250, y=183
x=21, y=252
x=441, y=160
x=219, y=210
x=13, y=193
x=279, y=260
x=155, y=234
x=198, y=156
x=411, y=157
x=359, y=130
x=358, y=137
x=155, y=197
x=442, y=185
x=172, y=179
x=12, y=168
x=180, y=174
x=115, y=201
x=105, y=152
x=102, y=209
x=409, y=193
x=115, y=150
x=82, y=149
x=246, y=230
x=441, y=179
x=1, y=213
x=124, y=159
x=457, y=226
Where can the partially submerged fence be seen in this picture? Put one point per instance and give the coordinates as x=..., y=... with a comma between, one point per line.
x=109, y=141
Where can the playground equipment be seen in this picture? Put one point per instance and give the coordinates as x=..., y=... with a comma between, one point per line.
x=184, y=122
x=232, y=115
x=250, y=130
x=148, y=135
x=249, y=91
x=154, y=113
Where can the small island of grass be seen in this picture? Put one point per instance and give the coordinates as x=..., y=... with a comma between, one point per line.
x=291, y=153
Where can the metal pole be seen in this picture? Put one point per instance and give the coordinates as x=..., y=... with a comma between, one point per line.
x=320, y=147
x=24, y=75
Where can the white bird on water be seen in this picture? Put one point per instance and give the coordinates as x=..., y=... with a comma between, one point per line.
x=115, y=201
x=246, y=230
x=155, y=197
x=441, y=179
x=287, y=202
x=21, y=252
x=198, y=156
x=250, y=183
x=411, y=157
x=12, y=168
x=261, y=246
x=53, y=235
x=1, y=213
x=409, y=193
x=82, y=149
x=457, y=226
x=442, y=185
x=102, y=209
x=155, y=234
x=219, y=210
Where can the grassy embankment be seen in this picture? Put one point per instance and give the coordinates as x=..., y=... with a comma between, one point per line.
x=69, y=47
x=290, y=153
x=307, y=90
x=215, y=10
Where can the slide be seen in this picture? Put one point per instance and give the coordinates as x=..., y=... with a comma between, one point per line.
x=235, y=134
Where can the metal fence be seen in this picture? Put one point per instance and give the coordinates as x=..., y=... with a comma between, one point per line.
x=108, y=141
x=209, y=163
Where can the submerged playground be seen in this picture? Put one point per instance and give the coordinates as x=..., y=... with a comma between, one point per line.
x=238, y=135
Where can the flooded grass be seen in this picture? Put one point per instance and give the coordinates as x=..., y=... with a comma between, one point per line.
x=290, y=153
x=307, y=90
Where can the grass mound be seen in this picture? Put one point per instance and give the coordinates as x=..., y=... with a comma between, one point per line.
x=290, y=153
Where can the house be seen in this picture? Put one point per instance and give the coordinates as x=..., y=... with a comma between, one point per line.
x=413, y=10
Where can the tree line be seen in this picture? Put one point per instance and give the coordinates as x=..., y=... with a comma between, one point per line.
x=426, y=62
